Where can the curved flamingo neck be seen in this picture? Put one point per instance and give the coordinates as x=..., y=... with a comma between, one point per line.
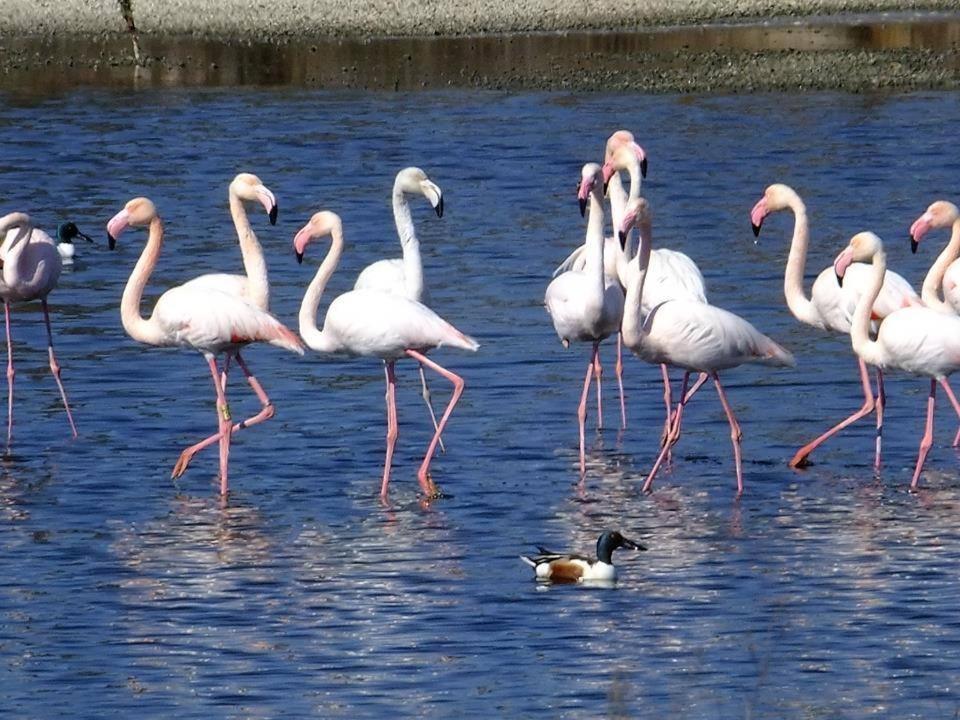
x=930, y=293
x=800, y=305
x=594, y=259
x=142, y=329
x=870, y=351
x=412, y=264
x=258, y=284
x=618, y=201
x=631, y=329
x=13, y=249
x=315, y=338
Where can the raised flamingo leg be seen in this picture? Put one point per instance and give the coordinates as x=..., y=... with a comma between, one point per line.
x=881, y=404
x=619, y=370
x=11, y=373
x=425, y=393
x=735, y=433
x=598, y=370
x=423, y=474
x=55, y=366
x=674, y=434
x=799, y=459
x=927, y=440
x=582, y=411
x=267, y=411
x=392, y=426
x=953, y=401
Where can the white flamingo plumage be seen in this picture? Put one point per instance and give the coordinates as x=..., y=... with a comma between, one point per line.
x=944, y=274
x=374, y=323
x=692, y=335
x=199, y=317
x=587, y=305
x=31, y=267
x=917, y=339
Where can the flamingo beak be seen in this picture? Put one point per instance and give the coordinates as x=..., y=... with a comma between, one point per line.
x=757, y=215
x=623, y=239
x=914, y=244
x=642, y=157
x=300, y=242
x=118, y=223
x=583, y=206
x=299, y=257
x=439, y=208
x=840, y=265
x=918, y=230
x=111, y=242
x=268, y=201
x=608, y=172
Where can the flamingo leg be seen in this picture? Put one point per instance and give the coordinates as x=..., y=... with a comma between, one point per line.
x=800, y=460
x=668, y=401
x=735, y=433
x=582, y=411
x=55, y=366
x=11, y=373
x=423, y=474
x=598, y=371
x=223, y=421
x=674, y=434
x=425, y=392
x=927, y=440
x=665, y=447
x=619, y=371
x=881, y=404
x=267, y=411
x=953, y=401
x=392, y=426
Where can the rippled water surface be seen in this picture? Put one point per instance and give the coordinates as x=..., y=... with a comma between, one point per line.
x=824, y=593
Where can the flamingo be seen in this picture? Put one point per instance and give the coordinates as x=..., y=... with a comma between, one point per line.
x=613, y=254
x=30, y=269
x=405, y=276
x=66, y=233
x=917, y=339
x=586, y=305
x=374, y=323
x=831, y=307
x=689, y=334
x=205, y=319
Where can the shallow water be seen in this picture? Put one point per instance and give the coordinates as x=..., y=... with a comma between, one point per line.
x=822, y=593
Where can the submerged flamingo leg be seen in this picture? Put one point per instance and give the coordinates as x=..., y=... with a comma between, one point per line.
x=425, y=392
x=55, y=366
x=582, y=412
x=598, y=371
x=735, y=433
x=799, y=459
x=927, y=440
x=11, y=373
x=392, y=425
x=423, y=474
x=881, y=404
x=267, y=411
x=619, y=370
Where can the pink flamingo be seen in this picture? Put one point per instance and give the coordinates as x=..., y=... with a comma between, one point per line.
x=373, y=323
x=917, y=339
x=692, y=335
x=31, y=267
x=587, y=305
x=202, y=318
x=831, y=307
x=405, y=276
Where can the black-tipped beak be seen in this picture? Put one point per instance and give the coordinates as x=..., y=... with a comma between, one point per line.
x=84, y=236
x=631, y=545
x=111, y=242
x=839, y=279
x=299, y=258
x=583, y=206
x=914, y=244
x=439, y=208
x=643, y=173
x=623, y=240
x=605, y=188
x=756, y=229
x=273, y=215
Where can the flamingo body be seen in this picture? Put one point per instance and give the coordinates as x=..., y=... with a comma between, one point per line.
x=577, y=315
x=35, y=270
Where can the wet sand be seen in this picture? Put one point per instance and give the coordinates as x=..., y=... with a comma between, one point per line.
x=898, y=50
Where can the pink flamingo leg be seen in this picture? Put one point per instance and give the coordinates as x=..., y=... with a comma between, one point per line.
x=599, y=373
x=582, y=411
x=11, y=373
x=55, y=366
x=953, y=401
x=392, y=426
x=800, y=460
x=735, y=433
x=423, y=474
x=425, y=393
x=267, y=411
x=668, y=401
x=619, y=370
x=881, y=404
x=666, y=445
x=674, y=434
x=927, y=440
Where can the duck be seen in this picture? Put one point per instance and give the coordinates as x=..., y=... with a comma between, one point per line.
x=572, y=568
x=66, y=233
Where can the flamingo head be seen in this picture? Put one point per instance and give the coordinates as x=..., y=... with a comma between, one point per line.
x=320, y=225
x=862, y=248
x=776, y=197
x=939, y=215
x=414, y=181
x=248, y=186
x=591, y=180
x=67, y=232
x=137, y=213
x=625, y=139
x=636, y=214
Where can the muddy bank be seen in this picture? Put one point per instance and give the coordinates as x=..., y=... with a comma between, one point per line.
x=855, y=53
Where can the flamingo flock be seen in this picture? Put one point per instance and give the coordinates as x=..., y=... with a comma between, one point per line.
x=653, y=299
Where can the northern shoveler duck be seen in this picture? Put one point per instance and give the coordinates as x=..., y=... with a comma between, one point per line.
x=66, y=233
x=571, y=568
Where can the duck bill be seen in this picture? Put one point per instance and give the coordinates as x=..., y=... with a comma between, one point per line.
x=633, y=545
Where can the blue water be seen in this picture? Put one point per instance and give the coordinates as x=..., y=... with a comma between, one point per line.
x=827, y=593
